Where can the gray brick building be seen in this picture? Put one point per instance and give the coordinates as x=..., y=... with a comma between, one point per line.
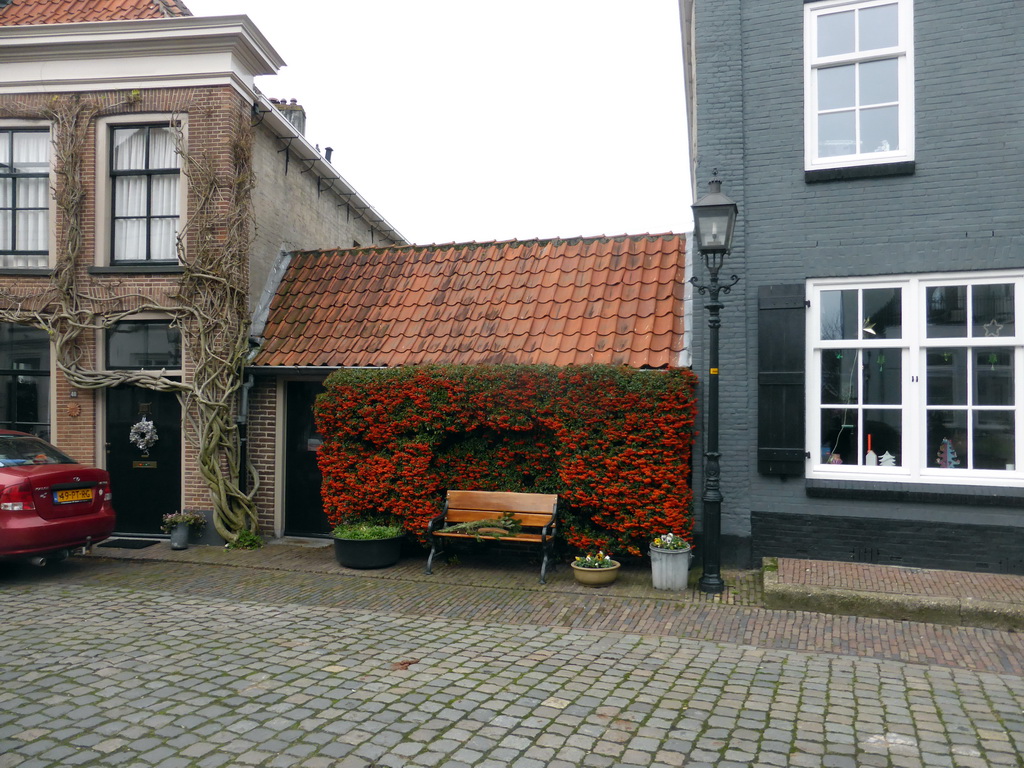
x=872, y=359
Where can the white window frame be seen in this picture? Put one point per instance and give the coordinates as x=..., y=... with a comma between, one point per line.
x=916, y=462
x=903, y=53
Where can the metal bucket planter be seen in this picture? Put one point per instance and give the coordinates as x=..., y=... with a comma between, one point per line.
x=596, y=577
x=670, y=568
x=368, y=553
x=179, y=536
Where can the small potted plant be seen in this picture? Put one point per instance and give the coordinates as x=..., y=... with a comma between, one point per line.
x=367, y=544
x=595, y=570
x=180, y=525
x=670, y=561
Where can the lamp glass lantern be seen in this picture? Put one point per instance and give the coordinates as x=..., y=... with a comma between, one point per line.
x=714, y=218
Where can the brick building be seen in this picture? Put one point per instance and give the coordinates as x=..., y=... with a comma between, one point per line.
x=147, y=189
x=872, y=360
x=610, y=300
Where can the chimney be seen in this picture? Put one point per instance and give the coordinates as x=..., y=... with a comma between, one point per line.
x=294, y=112
x=327, y=153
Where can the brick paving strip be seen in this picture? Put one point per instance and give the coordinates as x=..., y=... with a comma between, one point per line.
x=910, y=581
x=991, y=600
x=511, y=595
x=186, y=664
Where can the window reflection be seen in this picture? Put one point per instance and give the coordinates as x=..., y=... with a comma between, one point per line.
x=992, y=311
x=25, y=379
x=145, y=344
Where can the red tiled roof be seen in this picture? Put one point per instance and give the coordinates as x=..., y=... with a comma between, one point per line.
x=68, y=11
x=615, y=300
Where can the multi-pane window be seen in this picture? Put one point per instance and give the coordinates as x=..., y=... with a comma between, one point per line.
x=858, y=82
x=861, y=382
x=917, y=379
x=25, y=379
x=144, y=344
x=970, y=372
x=24, y=198
x=145, y=171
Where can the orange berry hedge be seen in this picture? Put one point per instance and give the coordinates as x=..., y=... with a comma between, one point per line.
x=614, y=443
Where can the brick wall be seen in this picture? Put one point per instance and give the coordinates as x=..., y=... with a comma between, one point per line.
x=887, y=541
x=211, y=114
x=292, y=215
x=263, y=441
x=960, y=210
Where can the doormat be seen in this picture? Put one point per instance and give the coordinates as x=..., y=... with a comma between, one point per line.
x=128, y=543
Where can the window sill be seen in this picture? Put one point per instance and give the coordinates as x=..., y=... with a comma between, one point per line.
x=967, y=495
x=138, y=269
x=25, y=271
x=906, y=168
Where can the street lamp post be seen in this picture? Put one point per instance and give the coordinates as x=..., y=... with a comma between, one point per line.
x=714, y=218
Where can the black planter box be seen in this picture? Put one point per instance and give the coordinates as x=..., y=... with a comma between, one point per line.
x=368, y=553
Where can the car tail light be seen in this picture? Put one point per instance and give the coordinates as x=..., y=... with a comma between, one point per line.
x=17, y=498
x=104, y=490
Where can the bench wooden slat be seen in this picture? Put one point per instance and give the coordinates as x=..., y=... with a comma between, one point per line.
x=468, y=515
x=500, y=501
x=531, y=537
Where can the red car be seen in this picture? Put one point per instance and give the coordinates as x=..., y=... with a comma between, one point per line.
x=49, y=503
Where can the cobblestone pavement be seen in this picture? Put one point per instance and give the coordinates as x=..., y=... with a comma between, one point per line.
x=171, y=664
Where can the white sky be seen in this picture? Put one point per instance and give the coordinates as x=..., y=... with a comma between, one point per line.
x=481, y=120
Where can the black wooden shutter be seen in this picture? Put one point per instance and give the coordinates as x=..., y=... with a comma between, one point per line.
x=780, y=379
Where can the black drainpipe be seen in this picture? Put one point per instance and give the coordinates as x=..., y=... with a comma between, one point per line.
x=243, y=435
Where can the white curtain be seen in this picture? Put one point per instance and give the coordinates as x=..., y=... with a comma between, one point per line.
x=31, y=224
x=135, y=195
x=32, y=152
x=24, y=224
x=129, y=149
x=162, y=153
x=5, y=212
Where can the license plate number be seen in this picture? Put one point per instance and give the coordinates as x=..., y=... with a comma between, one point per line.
x=72, y=495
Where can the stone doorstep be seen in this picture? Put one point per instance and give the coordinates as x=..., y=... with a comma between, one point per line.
x=956, y=611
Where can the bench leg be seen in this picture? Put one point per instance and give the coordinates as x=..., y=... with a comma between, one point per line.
x=433, y=551
x=544, y=567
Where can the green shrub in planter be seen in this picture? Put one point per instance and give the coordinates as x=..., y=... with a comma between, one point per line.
x=366, y=531
x=367, y=544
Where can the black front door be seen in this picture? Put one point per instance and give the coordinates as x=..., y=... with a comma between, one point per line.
x=146, y=483
x=303, y=506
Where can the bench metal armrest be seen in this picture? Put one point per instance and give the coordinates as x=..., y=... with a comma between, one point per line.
x=437, y=522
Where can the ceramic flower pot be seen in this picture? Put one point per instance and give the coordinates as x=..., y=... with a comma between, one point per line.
x=368, y=553
x=596, y=577
x=670, y=568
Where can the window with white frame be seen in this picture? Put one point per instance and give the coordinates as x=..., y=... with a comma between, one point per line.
x=145, y=176
x=24, y=198
x=858, y=82
x=916, y=379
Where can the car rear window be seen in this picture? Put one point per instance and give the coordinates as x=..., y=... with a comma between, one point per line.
x=16, y=450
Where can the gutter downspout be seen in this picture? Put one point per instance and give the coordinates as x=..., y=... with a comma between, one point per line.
x=242, y=421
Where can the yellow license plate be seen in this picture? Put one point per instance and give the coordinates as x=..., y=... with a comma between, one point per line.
x=74, y=494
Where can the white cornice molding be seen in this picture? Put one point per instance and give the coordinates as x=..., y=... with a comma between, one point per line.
x=151, y=53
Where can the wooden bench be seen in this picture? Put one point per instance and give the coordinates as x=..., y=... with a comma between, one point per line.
x=536, y=512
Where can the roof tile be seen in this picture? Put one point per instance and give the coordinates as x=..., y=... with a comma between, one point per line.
x=20, y=12
x=564, y=302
